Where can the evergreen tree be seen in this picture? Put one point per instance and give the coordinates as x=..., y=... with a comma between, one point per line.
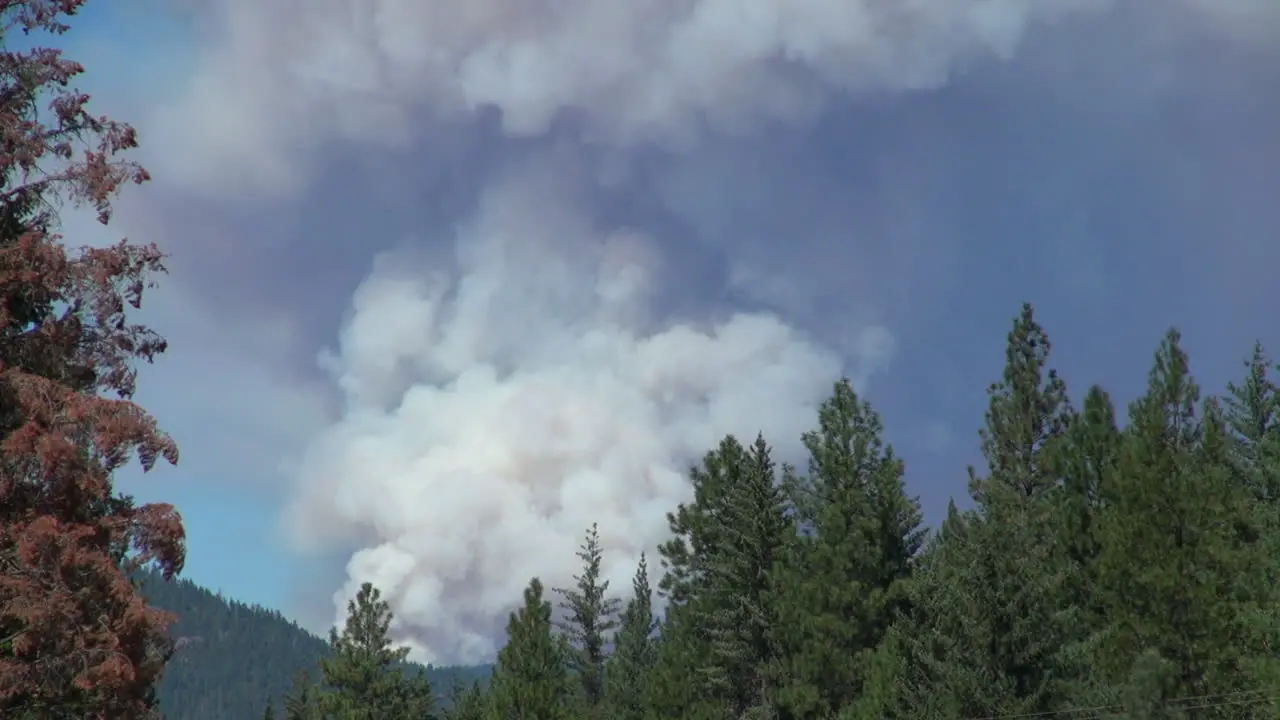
x=1102, y=571
x=467, y=702
x=720, y=576
x=531, y=681
x=270, y=712
x=843, y=584
x=302, y=702
x=590, y=616
x=1086, y=462
x=360, y=673
x=939, y=651
x=627, y=673
x=683, y=650
x=1028, y=411
x=996, y=644
x=673, y=687
x=1252, y=411
x=1178, y=578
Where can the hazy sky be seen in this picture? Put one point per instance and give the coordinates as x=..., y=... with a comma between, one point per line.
x=452, y=281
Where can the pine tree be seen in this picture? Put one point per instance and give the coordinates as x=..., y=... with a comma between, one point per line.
x=719, y=573
x=590, y=616
x=361, y=673
x=467, y=703
x=1175, y=567
x=1086, y=462
x=683, y=651
x=842, y=586
x=1028, y=411
x=531, y=681
x=1252, y=410
x=270, y=712
x=627, y=673
x=940, y=652
x=1252, y=413
x=998, y=642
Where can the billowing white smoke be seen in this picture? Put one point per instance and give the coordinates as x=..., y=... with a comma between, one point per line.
x=489, y=423
x=493, y=414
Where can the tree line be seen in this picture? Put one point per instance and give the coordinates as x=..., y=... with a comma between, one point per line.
x=1105, y=568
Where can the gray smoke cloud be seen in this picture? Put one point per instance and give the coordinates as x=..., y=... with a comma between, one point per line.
x=284, y=75
x=496, y=399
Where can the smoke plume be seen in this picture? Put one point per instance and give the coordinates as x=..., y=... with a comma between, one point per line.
x=489, y=421
x=496, y=406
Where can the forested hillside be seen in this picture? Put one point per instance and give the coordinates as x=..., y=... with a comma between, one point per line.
x=232, y=658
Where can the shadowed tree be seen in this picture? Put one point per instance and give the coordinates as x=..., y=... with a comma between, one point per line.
x=302, y=702
x=76, y=639
x=467, y=702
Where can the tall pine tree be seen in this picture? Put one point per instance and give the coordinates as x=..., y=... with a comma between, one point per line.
x=721, y=626
x=634, y=654
x=361, y=675
x=1252, y=411
x=1177, y=571
x=1000, y=621
x=530, y=680
x=590, y=616
x=843, y=583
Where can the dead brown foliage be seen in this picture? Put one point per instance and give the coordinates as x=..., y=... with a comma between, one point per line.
x=76, y=639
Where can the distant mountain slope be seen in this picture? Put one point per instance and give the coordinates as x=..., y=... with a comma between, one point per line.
x=233, y=657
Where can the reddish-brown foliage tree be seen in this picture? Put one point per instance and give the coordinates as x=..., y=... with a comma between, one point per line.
x=76, y=639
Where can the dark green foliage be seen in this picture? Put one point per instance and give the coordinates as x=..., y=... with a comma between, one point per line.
x=361, y=675
x=1105, y=570
x=843, y=584
x=1252, y=411
x=1179, y=565
x=628, y=669
x=993, y=619
x=233, y=659
x=303, y=700
x=590, y=617
x=719, y=576
x=531, y=680
x=1028, y=412
x=1086, y=462
x=467, y=702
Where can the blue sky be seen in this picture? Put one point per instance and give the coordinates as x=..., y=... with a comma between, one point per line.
x=889, y=198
